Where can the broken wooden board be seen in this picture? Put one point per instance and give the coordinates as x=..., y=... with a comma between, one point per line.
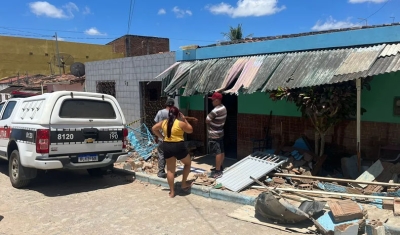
x=369, y=175
x=345, y=210
x=247, y=213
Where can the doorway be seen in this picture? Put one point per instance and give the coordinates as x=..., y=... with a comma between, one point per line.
x=230, y=128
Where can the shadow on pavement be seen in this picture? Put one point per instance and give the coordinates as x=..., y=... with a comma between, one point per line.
x=1, y=218
x=55, y=183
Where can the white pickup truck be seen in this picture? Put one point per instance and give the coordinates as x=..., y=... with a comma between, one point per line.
x=64, y=129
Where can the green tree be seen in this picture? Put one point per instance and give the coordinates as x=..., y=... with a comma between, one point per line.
x=235, y=33
x=325, y=106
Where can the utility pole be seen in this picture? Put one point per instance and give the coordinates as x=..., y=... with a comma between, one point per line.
x=58, y=54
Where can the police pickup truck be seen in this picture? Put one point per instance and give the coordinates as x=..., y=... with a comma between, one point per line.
x=63, y=129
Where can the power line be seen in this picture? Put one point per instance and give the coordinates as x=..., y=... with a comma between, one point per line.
x=131, y=8
x=376, y=11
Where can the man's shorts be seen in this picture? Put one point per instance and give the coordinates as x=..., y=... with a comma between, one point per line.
x=216, y=146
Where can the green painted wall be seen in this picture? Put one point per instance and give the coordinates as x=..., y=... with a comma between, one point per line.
x=260, y=103
x=379, y=101
x=196, y=102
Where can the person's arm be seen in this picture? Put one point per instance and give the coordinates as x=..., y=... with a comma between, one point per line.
x=185, y=125
x=156, y=130
x=210, y=116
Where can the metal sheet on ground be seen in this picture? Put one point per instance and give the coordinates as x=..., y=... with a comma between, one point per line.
x=257, y=165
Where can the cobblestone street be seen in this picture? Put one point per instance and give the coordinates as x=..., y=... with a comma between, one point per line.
x=72, y=202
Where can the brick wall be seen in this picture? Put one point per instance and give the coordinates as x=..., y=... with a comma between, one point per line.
x=199, y=131
x=345, y=135
x=140, y=45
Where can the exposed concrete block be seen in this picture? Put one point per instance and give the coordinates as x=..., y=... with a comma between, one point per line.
x=345, y=210
x=388, y=204
x=375, y=228
x=396, y=205
x=346, y=229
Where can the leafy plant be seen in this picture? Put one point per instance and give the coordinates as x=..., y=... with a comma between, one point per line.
x=325, y=105
x=235, y=33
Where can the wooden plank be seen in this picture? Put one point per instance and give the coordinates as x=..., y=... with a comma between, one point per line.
x=369, y=175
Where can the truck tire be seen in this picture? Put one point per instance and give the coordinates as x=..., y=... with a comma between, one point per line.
x=15, y=169
x=96, y=172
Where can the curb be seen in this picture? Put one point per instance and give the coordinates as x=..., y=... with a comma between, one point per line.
x=203, y=191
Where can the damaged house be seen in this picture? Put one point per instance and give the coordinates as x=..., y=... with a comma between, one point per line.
x=247, y=71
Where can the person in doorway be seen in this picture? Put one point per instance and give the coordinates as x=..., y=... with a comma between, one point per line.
x=216, y=121
x=161, y=116
x=174, y=147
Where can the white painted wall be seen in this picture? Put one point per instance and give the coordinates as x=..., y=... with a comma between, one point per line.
x=127, y=73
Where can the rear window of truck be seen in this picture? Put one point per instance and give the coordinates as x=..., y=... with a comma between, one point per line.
x=83, y=108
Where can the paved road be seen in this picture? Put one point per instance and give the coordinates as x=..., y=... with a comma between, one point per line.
x=71, y=202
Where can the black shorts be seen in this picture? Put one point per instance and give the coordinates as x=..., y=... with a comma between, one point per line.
x=216, y=145
x=174, y=149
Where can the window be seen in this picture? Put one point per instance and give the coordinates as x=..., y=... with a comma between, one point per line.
x=106, y=87
x=8, y=111
x=82, y=108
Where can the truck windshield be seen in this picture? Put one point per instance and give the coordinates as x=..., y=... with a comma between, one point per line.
x=83, y=108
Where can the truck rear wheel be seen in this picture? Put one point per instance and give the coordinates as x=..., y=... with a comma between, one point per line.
x=15, y=171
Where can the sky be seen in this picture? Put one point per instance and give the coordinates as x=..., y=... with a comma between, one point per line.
x=186, y=22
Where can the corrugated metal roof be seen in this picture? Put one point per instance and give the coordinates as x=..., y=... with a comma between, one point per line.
x=195, y=75
x=249, y=72
x=290, y=70
x=391, y=49
x=360, y=59
x=385, y=65
x=267, y=68
x=233, y=72
x=216, y=75
x=180, y=77
x=167, y=72
x=284, y=71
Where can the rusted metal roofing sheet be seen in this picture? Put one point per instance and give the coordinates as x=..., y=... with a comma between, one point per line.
x=180, y=77
x=249, y=72
x=284, y=71
x=390, y=50
x=360, y=59
x=267, y=68
x=233, y=72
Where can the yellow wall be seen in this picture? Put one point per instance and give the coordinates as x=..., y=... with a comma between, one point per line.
x=15, y=57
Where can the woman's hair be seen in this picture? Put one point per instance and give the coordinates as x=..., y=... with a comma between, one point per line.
x=172, y=116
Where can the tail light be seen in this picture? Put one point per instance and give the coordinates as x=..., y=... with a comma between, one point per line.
x=125, y=138
x=42, y=140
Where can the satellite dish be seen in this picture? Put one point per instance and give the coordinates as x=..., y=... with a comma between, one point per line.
x=78, y=69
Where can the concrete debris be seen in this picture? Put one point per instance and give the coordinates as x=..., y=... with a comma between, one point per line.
x=369, y=175
x=345, y=210
x=278, y=180
x=387, y=204
x=396, y=206
x=346, y=229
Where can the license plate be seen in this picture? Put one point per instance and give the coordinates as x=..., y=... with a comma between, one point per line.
x=88, y=158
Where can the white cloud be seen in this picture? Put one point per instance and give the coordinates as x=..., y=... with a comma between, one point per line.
x=94, y=32
x=180, y=13
x=40, y=8
x=331, y=23
x=87, y=11
x=59, y=39
x=162, y=11
x=245, y=8
x=363, y=1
